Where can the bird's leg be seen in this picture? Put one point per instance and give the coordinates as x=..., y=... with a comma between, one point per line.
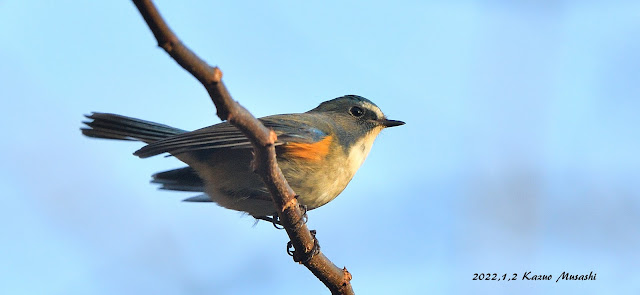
x=274, y=219
x=306, y=257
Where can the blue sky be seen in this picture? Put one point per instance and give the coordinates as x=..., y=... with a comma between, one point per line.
x=520, y=151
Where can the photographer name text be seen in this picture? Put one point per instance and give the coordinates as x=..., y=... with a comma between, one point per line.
x=529, y=276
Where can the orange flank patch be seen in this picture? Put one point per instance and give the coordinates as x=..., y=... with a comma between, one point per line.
x=309, y=151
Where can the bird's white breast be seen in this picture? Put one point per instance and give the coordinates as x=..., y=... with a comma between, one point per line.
x=360, y=150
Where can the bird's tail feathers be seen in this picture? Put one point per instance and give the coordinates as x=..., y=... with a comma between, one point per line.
x=111, y=126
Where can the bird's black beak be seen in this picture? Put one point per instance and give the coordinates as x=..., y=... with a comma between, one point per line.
x=390, y=123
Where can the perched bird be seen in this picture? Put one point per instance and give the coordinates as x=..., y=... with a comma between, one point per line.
x=318, y=151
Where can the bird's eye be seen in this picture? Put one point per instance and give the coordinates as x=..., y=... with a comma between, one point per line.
x=356, y=111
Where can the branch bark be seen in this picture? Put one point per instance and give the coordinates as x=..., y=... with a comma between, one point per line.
x=263, y=139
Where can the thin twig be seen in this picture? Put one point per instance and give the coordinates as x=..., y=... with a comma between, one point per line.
x=263, y=139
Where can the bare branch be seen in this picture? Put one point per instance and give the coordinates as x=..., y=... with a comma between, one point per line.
x=263, y=139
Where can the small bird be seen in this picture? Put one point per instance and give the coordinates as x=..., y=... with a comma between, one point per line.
x=318, y=151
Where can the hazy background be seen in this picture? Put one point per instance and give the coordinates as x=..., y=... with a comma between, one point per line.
x=520, y=153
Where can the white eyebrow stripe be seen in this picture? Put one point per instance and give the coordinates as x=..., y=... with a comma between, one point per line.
x=374, y=108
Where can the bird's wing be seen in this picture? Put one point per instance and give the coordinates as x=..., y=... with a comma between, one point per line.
x=288, y=128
